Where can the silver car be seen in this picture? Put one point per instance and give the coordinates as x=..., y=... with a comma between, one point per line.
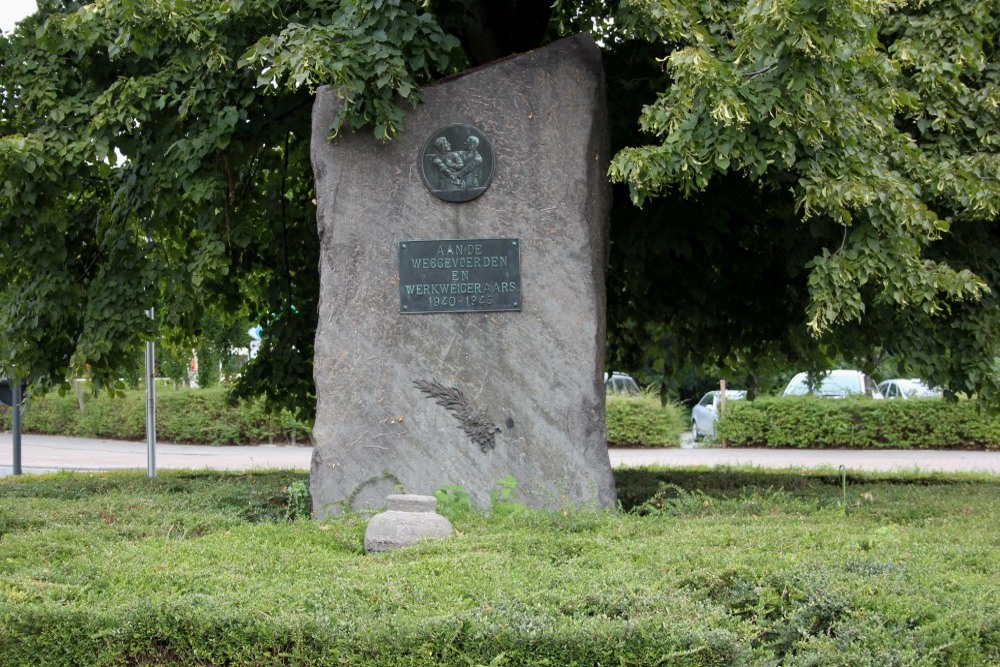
x=908, y=388
x=706, y=413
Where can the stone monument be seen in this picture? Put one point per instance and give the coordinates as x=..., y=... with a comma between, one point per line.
x=462, y=307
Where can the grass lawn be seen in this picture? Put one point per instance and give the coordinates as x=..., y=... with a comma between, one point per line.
x=703, y=567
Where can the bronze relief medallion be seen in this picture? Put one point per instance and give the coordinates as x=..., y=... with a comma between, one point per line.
x=456, y=163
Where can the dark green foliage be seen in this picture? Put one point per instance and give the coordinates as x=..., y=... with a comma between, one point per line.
x=732, y=568
x=638, y=486
x=210, y=211
x=642, y=421
x=200, y=416
x=811, y=176
x=859, y=423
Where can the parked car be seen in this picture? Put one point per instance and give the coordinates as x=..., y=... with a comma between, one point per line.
x=706, y=412
x=909, y=388
x=838, y=383
x=620, y=383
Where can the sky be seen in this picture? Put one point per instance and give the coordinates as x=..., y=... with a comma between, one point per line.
x=12, y=11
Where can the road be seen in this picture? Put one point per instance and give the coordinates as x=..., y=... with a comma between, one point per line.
x=41, y=453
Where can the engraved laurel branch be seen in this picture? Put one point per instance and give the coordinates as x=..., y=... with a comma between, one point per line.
x=476, y=424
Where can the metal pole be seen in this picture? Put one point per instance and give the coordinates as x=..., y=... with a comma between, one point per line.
x=16, y=423
x=150, y=407
x=722, y=405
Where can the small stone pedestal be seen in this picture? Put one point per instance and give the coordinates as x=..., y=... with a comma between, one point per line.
x=409, y=519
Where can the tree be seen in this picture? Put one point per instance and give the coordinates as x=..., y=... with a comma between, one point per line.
x=859, y=140
x=142, y=168
x=807, y=179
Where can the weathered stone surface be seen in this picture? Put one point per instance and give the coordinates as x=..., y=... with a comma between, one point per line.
x=409, y=519
x=530, y=397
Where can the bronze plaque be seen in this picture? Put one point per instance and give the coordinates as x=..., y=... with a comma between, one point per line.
x=459, y=276
x=456, y=163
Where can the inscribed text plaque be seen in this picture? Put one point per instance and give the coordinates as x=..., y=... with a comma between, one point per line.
x=459, y=275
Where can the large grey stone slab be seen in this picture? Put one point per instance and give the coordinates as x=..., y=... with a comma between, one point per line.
x=409, y=403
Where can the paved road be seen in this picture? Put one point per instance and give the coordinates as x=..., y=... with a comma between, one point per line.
x=49, y=453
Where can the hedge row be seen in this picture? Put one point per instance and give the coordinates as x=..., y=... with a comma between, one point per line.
x=202, y=416
x=643, y=421
x=211, y=632
x=818, y=423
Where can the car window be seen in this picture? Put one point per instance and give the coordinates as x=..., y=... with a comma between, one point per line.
x=839, y=385
x=836, y=384
x=620, y=383
x=797, y=387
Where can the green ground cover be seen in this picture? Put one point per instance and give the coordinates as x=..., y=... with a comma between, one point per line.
x=702, y=567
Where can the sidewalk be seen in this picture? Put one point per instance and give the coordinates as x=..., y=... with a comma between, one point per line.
x=48, y=453
x=880, y=460
x=42, y=453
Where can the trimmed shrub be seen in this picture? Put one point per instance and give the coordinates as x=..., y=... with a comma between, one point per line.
x=203, y=416
x=820, y=423
x=643, y=421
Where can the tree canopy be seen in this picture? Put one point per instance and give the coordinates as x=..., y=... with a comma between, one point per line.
x=796, y=181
